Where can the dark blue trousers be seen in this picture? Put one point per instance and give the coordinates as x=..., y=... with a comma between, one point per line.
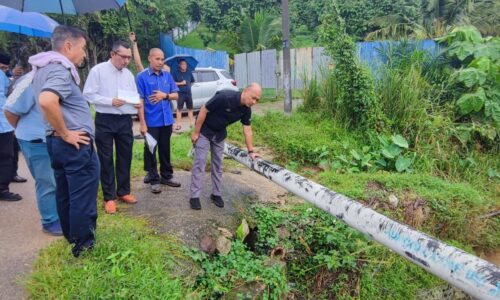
x=77, y=179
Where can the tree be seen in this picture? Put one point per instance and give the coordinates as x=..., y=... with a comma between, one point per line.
x=355, y=103
x=260, y=32
x=227, y=15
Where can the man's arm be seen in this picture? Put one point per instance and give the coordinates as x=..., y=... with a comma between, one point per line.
x=135, y=53
x=12, y=118
x=247, y=132
x=142, y=120
x=49, y=104
x=179, y=81
x=202, y=115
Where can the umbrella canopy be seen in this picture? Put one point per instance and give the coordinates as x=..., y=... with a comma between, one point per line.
x=28, y=23
x=173, y=62
x=71, y=7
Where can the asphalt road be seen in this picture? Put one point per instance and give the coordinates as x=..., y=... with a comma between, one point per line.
x=21, y=237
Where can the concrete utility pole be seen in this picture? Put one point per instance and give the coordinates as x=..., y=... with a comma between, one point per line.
x=286, y=57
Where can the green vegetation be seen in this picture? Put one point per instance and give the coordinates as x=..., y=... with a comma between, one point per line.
x=355, y=103
x=129, y=261
x=223, y=273
x=202, y=38
x=477, y=82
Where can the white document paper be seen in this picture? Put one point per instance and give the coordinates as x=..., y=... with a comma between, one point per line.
x=151, y=142
x=130, y=97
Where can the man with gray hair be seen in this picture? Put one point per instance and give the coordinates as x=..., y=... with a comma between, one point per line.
x=108, y=87
x=225, y=108
x=70, y=134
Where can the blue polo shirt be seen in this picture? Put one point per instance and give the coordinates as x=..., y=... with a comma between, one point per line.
x=159, y=114
x=30, y=125
x=4, y=86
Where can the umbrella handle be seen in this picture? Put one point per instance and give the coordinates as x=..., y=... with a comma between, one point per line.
x=128, y=16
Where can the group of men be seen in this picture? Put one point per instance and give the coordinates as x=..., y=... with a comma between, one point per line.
x=55, y=129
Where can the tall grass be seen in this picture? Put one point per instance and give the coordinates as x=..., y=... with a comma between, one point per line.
x=311, y=94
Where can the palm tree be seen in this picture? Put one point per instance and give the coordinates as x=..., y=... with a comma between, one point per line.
x=260, y=32
x=439, y=16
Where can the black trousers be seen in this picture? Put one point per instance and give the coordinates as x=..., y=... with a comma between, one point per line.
x=6, y=159
x=77, y=180
x=117, y=129
x=162, y=136
x=15, y=161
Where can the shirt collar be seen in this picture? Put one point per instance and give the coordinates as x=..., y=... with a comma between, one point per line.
x=113, y=66
x=151, y=72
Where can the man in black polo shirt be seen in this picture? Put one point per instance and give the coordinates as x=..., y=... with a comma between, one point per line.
x=225, y=108
x=183, y=78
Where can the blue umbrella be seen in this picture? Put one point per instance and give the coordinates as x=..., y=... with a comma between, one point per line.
x=173, y=62
x=28, y=23
x=72, y=7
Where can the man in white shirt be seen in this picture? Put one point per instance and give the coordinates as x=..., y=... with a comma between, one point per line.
x=111, y=88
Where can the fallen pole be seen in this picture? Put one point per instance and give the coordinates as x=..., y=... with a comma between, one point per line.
x=467, y=272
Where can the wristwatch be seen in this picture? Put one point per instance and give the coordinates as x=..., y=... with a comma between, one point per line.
x=168, y=97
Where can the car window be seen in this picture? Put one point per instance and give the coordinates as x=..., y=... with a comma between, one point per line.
x=206, y=76
x=226, y=74
x=195, y=75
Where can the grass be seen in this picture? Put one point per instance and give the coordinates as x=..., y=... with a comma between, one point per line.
x=306, y=141
x=132, y=261
x=271, y=95
x=129, y=261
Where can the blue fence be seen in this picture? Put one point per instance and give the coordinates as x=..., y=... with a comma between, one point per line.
x=215, y=59
x=266, y=66
x=372, y=55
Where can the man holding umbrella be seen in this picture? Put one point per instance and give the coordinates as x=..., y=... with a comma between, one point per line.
x=184, y=79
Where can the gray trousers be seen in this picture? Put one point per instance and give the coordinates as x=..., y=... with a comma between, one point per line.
x=203, y=145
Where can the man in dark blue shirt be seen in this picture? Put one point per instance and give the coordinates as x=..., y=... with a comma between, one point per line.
x=225, y=108
x=184, y=78
x=156, y=88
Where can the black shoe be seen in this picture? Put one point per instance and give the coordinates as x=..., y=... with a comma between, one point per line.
x=170, y=182
x=147, y=179
x=155, y=188
x=138, y=137
x=195, y=203
x=8, y=196
x=77, y=251
x=217, y=200
x=18, y=179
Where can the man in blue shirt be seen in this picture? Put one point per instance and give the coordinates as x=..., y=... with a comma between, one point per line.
x=156, y=88
x=24, y=114
x=7, y=139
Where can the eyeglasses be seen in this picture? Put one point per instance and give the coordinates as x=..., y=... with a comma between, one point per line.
x=122, y=56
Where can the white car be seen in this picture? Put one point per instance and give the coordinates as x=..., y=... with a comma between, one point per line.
x=207, y=82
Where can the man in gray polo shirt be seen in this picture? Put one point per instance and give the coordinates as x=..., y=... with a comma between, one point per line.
x=70, y=135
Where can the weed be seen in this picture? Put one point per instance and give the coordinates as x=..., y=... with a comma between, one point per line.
x=129, y=261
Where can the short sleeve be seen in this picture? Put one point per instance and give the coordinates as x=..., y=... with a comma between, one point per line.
x=23, y=104
x=214, y=103
x=58, y=81
x=173, y=86
x=140, y=86
x=246, y=118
